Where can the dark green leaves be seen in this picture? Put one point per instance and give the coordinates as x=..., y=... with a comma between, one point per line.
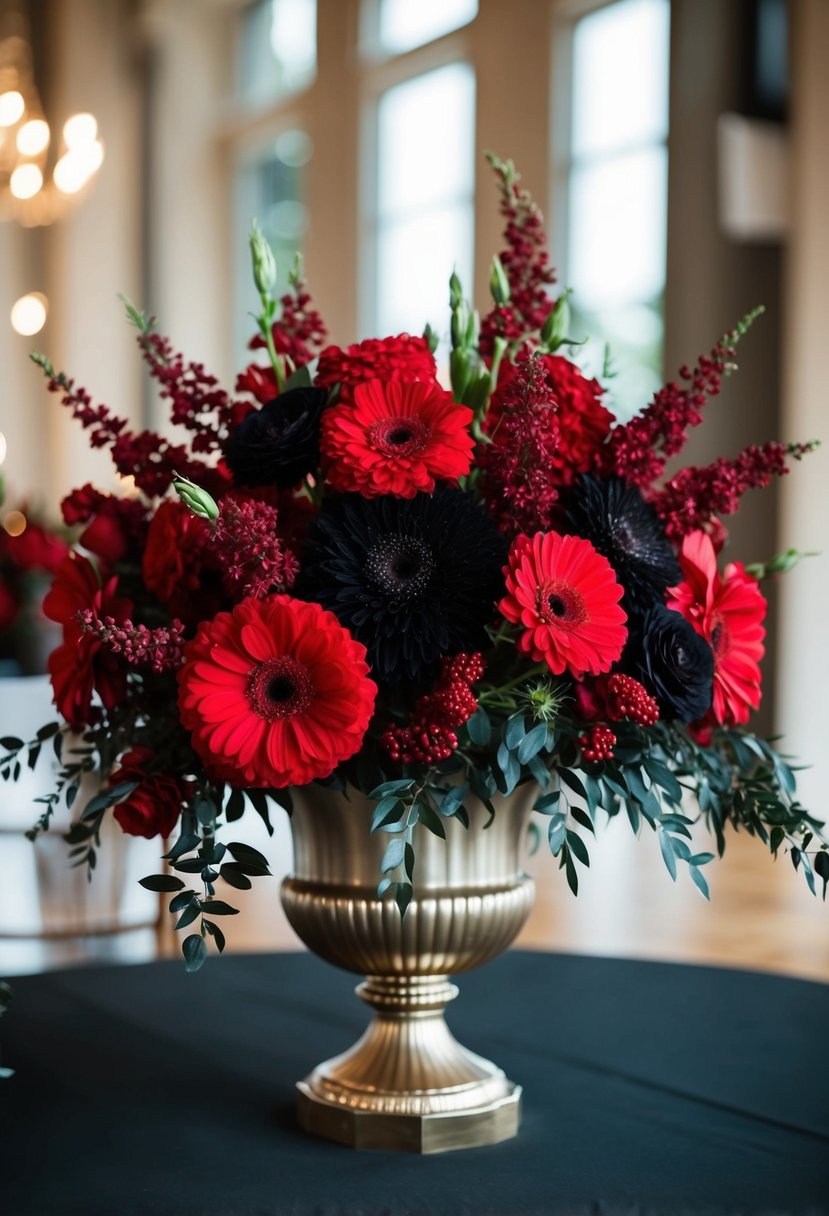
x=161, y=882
x=194, y=950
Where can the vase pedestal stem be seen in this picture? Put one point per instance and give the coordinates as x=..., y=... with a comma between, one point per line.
x=408, y=1084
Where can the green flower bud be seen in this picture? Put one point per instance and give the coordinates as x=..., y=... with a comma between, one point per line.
x=499, y=283
x=557, y=324
x=455, y=290
x=264, y=264
x=196, y=499
x=431, y=338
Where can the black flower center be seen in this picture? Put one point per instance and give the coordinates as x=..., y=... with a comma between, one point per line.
x=561, y=604
x=557, y=605
x=279, y=688
x=400, y=436
x=400, y=567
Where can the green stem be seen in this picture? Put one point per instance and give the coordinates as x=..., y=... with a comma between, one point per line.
x=267, y=334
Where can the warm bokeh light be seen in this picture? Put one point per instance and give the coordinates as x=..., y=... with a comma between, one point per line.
x=3, y=447
x=80, y=129
x=12, y=106
x=33, y=137
x=25, y=181
x=15, y=523
x=28, y=314
x=75, y=167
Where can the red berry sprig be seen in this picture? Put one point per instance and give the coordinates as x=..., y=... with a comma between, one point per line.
x=598, y=743
x=627, y=698
x=430, y=736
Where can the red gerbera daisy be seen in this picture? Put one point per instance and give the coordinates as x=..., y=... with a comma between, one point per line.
x=81, y=666
x=566, y=596
x=728, y=612
x=396, y=438
x=275, y=693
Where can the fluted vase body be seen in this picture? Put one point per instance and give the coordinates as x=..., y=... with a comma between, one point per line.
x=408, y=1084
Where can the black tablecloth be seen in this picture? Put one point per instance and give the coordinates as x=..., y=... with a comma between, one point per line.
x=648, y=1087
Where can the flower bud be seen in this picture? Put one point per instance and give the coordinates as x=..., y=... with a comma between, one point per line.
x=557, y=324
x=431, y=338
x=264, y=264
x=196, y=499
x=499, y=283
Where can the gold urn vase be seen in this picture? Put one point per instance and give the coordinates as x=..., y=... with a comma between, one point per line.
x=408, y=1084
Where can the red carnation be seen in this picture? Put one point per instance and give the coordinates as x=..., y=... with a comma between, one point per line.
x=275, y=693
x=566, y=597
x=154, y=806
x=728, y=612
x=82, y=665
x=396, y=438
x=175, y=559
x=400, y=358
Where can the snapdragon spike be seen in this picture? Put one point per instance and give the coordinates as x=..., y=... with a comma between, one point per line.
x=525, y=432
x=253, y=561
x=695, y=497
x=639, y=450
x=525, y=261
x=197, y=401
x=159, y=649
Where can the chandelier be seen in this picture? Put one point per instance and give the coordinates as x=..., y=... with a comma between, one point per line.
x=41, y=176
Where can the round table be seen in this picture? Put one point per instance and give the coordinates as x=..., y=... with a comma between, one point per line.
x=648, y=1088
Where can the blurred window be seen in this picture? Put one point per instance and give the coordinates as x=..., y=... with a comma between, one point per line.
x=405, y=24
x=270, y=187
x=615, y=182
x=424, y=198
x=277, y=51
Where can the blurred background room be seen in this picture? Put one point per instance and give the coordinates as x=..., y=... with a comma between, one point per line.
x=679, y=151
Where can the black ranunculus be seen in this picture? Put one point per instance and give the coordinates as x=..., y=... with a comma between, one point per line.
x=675, y=664
x=279, y=444
x=618, y=522
x=411, y=578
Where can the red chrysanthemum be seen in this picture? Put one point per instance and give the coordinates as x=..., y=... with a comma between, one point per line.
x=402, y=358
x=728, y=612
x=82, y=665
x=566, y=597
x=396, y=438
x=154, y=806
x=175, y=560
x=275, y=693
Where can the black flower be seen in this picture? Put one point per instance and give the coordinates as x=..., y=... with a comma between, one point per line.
x=673, y=661
x=279, y=444
x=413, y=579
x=618, y=522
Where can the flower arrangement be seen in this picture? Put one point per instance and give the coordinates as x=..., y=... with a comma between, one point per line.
x=353, y=575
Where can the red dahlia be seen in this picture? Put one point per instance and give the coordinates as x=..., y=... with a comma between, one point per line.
x=728, y=612
x=396, y=438
x=275, y=693
x=154, y=806
x=566, y=597
x=82, y=665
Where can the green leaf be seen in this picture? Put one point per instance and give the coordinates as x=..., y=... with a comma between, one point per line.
x=548, y=804
x=184, y=844
x=300, y=378
x=182, y=901
x=194, y=950
x=479, y=728
x=557, y=833
x=190, y=913
x=216, y=933
x=246, y=853
x=388, y=810
x=161, y=882
x=532, y=743
x=10, y=743
x=218, y=907
x=235, y=806
x=578, y=847
x=668, y=854
x=383, y=886
x=234, y=877
x=403, y=896
x=45, y=732
x=572, y=780
x=515, y=730
x=259, y=802
x=392, y=787
x=453, y=799
x=699, y=881
x=430, y=819
x=572, y=876
x=409, y=861
x=822, y=868
x=393, y=855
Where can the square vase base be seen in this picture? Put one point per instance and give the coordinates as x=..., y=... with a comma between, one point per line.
x=438, y=1133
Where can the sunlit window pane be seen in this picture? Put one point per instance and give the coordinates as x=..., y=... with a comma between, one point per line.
x=270, y=187
x=415, y=259
x=425, y=184
x=618, y=215
x=404, y=24
x=620, y=76
x=426, y=140
x=278, y=49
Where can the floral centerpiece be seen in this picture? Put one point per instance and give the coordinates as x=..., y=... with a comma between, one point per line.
x=350, y=574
